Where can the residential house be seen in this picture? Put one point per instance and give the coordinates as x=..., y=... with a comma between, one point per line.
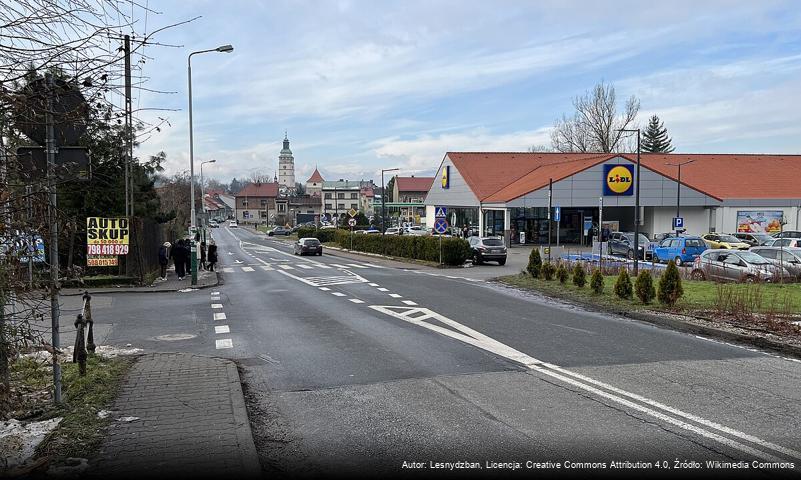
x=256, y=203
x=408, y=199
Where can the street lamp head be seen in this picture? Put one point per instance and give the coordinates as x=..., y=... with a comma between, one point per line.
x=213, y=161
x=225, y=48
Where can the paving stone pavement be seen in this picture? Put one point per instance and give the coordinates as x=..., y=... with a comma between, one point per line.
x=190, y=421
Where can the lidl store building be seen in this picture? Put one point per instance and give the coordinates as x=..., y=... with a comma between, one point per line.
x=506, y=194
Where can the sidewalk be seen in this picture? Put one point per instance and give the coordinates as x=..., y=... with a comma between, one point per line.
x=181, y=416
x=172, y=284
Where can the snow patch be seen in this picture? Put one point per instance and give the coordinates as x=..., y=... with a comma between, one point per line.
x=19, y=440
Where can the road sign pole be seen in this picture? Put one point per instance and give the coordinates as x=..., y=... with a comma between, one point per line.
x=52, y=211
x=440, y=249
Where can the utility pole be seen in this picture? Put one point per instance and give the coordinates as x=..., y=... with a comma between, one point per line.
x=127, y=51
x=52, y=218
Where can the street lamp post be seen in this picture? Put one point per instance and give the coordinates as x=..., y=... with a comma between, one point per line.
x=678, y=190
x=636, y=205
x=192, y=219
x=384, y=195
x=203, y=193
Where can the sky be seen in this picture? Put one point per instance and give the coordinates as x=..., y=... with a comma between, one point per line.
x=365, y=85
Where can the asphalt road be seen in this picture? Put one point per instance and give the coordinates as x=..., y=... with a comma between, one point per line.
x=360, y=365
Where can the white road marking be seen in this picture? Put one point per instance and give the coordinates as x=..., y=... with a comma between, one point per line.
x=276, y=259
x=320, y=265
x=219, y=316
x=222, y=329
x=285, y=267
x=356, y=265
x=373, y=284
x=395, y=295
x=216, y=305
x=247, y=269
x=267, y=268
x=408, y=302
x=336, y=265
x=215, y=299
x=325, y=289
x=382, y=289
x=328, y=281
x=467, y=335
x=215, y=293
x=238, y=261
x=306, y=267
x=356, y=300
x=224, y=343
x=228, y=270
x=338, y=294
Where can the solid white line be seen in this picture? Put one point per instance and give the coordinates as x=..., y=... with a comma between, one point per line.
x=338, y=294
x=224, y=343
x=222, y=329
x=336, y=265
x=325, y=289
x=356, y=300
x=373, y=284
x=219, y=316
x=382, y=289
x=408, y=302
x=395, y=295
x=216, y=305
x=285, y=267
x=247, y=269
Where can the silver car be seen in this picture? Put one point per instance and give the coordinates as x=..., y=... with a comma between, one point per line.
x=789, y=258
x=724, y=265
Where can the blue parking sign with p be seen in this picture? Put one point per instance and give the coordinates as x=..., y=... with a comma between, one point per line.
x=678, y=222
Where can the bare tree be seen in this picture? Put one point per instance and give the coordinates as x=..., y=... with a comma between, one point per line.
x=540, y=149
x=595, y=126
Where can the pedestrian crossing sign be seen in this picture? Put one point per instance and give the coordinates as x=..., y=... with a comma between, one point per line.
x=440, y=212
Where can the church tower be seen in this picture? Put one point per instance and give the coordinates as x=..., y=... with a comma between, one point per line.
x=286, y=168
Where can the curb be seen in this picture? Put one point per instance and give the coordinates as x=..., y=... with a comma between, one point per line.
x=679, y=325
x=140, y=289
x=251, y=466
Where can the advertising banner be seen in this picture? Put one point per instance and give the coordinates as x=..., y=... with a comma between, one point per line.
x=618, y=180
x=102, y=261
x=105, y=239
x=759, y=221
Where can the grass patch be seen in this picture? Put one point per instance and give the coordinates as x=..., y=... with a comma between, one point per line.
x=80, y=432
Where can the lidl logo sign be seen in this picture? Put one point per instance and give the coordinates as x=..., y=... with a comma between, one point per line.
x=618, y=179
x=446, y=177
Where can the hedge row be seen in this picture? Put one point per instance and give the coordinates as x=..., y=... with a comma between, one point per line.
x=454, y=250
x=324, y=235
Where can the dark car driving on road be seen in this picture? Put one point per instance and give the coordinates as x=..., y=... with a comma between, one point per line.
x=308, y=245
x=488, y=249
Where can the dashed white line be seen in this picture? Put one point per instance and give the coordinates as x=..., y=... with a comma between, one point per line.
x=356, y=265
x=215, y=293
x=373, y=284
x=382, y=289
x=224, y=343
x=338, y=294
x=325, y=289
x=221, y=329
x=395, y=295
x=215, y=299
x=305, y=267
x=356, y=300
x=267, y=268
x=409, y=302
x=219, y=316
x=216, y=305
x=285, y=267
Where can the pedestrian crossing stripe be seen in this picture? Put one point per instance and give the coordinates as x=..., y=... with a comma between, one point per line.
x=285, y=267
x=267, y=268
x=320, y=265
x=247, y=269
x=307, y=267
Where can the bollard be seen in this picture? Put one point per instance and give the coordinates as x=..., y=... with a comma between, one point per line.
x=87, y=314
x=79, y=352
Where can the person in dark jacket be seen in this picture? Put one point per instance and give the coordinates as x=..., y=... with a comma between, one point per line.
x=164, y=259
x=178, y=255
x=188, y=258
x=202, y=264
x=212, y=257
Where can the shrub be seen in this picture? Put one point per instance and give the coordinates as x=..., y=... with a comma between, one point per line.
x=597, y=281
x=670, y=289
x=454, y=250
x=579, y=276
x=623, y=288
x=644, y=287
x=547, y=271
x=324, y=236
x=562, y=273
x=534, y=263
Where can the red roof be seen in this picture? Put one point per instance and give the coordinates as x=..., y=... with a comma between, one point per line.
x=316, y=177
x=367, y=192
x=414, y=184
x=501, y=177
x=259, y=190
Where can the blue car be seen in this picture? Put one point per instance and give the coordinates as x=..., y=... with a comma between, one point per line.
x=679, y=249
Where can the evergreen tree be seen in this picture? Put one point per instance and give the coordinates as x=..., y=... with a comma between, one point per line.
x=655, y=138
x=670, y=289
x=644, y=287
x=623, y=287
x=597, y=281
x=534, y=263
x=579, y=275
x=561, y=273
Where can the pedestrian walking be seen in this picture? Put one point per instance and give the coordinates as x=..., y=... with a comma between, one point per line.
x=202, y=263
x=164, y=259
x=188, y=257
x=178, y=255
x=212, y=257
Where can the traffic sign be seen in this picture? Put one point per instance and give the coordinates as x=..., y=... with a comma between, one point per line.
x=440, y=212
x=678, y=222
x=352, y=222
x=441, y=225
x=557, y=213
x=352, y=212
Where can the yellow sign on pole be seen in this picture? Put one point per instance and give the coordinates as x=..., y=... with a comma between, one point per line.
x=107, y=231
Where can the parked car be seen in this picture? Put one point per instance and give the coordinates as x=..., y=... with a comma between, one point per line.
x=679, y=249
x=723, y=240
x=490, y=249
x=753, y=239
x=622, y=243
x=789, y=258
x=372, y=231
x=308, y=245
x=661, y=236
x=726, y=265
x=328, y=227
x=787, y=242
x=415, y=230
x=392, y=231
x=788, y=234
x=213, y=224
x=233, y=224
x=279, y=231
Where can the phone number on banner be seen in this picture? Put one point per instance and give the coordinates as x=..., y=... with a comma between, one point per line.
x=102, y=262
x=107, y=249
